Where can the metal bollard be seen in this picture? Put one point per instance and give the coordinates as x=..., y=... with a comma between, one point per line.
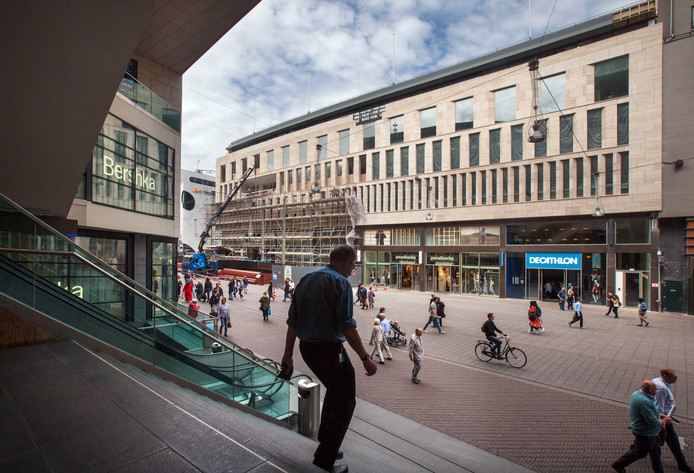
x=309, y=407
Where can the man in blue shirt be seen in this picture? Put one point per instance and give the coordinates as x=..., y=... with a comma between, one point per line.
x=320, y=315
x=645, y=425
x=664, y=402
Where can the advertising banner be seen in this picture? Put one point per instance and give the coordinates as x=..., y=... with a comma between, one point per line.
x=553, y=260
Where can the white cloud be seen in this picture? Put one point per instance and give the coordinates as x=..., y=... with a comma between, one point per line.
x=261, y=67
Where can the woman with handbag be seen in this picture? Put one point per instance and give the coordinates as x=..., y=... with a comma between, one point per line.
x=265, y=306
x=534, y=314
x=616, y=304
x=223, y=312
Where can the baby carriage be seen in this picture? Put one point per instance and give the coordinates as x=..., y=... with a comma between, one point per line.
x=398, y=336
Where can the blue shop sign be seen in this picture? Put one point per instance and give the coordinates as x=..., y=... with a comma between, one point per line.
x=553, y=260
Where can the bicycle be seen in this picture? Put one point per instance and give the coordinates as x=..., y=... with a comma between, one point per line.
x=485, y=350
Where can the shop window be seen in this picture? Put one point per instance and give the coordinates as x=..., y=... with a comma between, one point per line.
x=474, y=149
x=322, y=147
x=397, y=130
x=633, y=262
x=612, y=78
x=609, y=175
x=624, y=157
x=494, y=146
x=369, y=136
x=517, y=142
x=455, y=152
x=505, y=105
x=427, y=122
x=303, y=152
x=389, y=163
x=566, y=134
x=588, y=232
x=579, y=177
x=375, y=165
x=405, y=236
x=541, y=146
x=633, y=231
x=420, y=159
x=464, y=114
x=436, y=155
x=405, y=161
x=540, y=181
x=623, y=124
x=553, y=93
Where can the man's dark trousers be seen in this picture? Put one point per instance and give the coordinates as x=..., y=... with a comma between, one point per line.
x=673, y=442
x=340, y=396
x=642, y=446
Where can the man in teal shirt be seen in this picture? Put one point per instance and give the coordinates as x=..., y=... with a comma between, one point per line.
x=645, y=425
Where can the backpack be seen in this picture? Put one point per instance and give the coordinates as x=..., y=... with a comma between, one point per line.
x=538, y=312
x=482, y=328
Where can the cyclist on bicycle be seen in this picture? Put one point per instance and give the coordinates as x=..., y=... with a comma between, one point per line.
x=489, y=328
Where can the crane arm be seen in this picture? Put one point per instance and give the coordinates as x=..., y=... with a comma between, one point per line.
x=206, y=232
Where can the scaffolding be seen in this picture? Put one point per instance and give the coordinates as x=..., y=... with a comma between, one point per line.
x=297, y=229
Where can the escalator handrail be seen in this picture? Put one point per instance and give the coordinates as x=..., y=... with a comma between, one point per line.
x=132, y=290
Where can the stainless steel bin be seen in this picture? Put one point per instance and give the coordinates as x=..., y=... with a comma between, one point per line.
x=309, y=407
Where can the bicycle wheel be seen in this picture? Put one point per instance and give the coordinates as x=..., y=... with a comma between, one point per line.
x=483, y=351
x=516, y=357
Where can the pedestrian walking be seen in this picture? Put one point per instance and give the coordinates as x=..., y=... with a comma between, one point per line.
x=377, y=340
x=321, y=316
x=665, y=402
x=286, y=291
x=215, y=298
x=562, y=298
x=645, y=425
x=188, y=290
x=534, y=313
x=385, y=325
x=363, y=297
x=207, y=288
x=223, y=313
x=416, y=353
x=231, y=287
x=433, y=317
x=371, y=295
x=643, y=308
x=578, y=313
x=570, y=297
x=193, y=310
x=610, y=304
x=440, y=310
x=616, y=304
x=270, y=292
x=265, y=306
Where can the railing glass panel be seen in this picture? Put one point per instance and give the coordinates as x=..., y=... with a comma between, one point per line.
x=148, y=100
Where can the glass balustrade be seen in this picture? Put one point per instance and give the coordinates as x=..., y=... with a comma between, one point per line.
x=149, y=101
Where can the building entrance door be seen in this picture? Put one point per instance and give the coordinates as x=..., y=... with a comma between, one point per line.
x=552, y=281
x=672, y=296
x=443, y=279
x=633, y=288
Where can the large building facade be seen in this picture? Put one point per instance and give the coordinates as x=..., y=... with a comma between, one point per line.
x=456, y=198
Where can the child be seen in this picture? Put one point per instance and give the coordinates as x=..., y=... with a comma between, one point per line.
x=643, y=307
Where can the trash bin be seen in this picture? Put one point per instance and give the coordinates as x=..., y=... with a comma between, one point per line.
x=309, y=407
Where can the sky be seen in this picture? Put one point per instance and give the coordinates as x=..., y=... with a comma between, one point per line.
x=260, y=73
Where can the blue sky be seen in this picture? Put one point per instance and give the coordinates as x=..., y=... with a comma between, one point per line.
x=257, y=75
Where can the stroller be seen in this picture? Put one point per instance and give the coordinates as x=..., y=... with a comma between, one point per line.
x=398, y=335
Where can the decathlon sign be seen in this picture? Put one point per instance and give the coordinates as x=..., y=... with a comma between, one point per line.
x=553, y=260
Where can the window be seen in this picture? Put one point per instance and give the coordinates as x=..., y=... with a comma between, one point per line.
x=540, y=181
x=375, y=165
x=445, y=191
x=473, y=187
x=436, y=192
x=285, y=156
x=463, y=114
x=290, y=177
x=420, y=159
x=623, y=124
x=553, y=180
x=344, y=142
x=419, y=194
x=612, y=78
x=474, y=149
x=389, y=164
x=455, y=152
x=464, y=189
x=317, y=172
x=566, y=178
x=427, y=122
x=609, y=175
x=505, y=105
x=328, y=173
x=244, y=165
x=624, y=157
x=579, y=177
x=541, y=146
x=437, y=155
x=397, y=130
x=256, y=161
x=338, y=168
x=593, y=174
x=516, y=142
x=270, y=160
x=528, y=182
x=516, y=184
x=222, y=173
x=494, y=186
x=494, y=146
x=303, y=152
x=369, y=132
x=504, y=185
x=388, y=197
x=454, y=185
x=308, y=174
x=553, y=93
x=566, y=134
x=595, y=129
x=404, y=161
x=350, y=166
x=298, y=176
x=362, y=165
x=233, y=170
x=483, y=178
x=322, y=147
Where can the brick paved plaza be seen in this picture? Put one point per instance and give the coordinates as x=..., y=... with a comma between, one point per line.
x=565, y=411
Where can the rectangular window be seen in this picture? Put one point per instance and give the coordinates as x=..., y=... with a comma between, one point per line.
x=389, y=163
x=593, y=174
x=419, y=194
x=566, y=178
x=516, y=184
x=350, y=166
x=454, y=186
x=405, y=161
x=609, y=175
x=256, y=161
x=566, y=134
x=397, y=130
x=271, y=160
x=623, y=124
x=233, y=170
x=474, y=149
x=420, y=159
x=281, y=179
x=308, y=174
x=624, y=157
x=541, y=146
x=612, y=78
x=404, y=201
x=540, y=181
x=494, y=186
x=317, y=172
x=436, y=192
x=362, y=166
x=504, y=185
x=322, y=147
x=328, y=173
x=369, y=131
x=455, y=152
x=473, y=188
x=464, y=189
x=344, y=142
x=411, y=186
x=285, y=156
x=388, y=197
x=427, y=122
x=298, y=176
x=579, y=177
x=383, y=197
x=595, y=129
x=516, y=142
x=505, y=105
x=436, y=152
x=368, y=198
x=290, y=177
x=495, y=146
x=528, y=182
x=303, y=152
x=553, y=180
x=338, y=168
x=483, y=178
x=222, y=173
x=463, y=114
x=375, y=165
x=244, y=165
x=553, y=93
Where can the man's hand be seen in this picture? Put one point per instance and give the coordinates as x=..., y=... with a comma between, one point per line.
x=411, y=358
x=370, y=366
x=667, y=420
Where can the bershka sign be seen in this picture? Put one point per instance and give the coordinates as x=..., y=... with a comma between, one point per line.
x=121, y=173
x=553, y=260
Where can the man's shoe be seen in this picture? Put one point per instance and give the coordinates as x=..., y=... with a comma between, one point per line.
x=416, y=381
x=339, y=469
x=685, y=468
x=389, y=358
x=381, y=362
x=340, y=455
x=619, y=469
